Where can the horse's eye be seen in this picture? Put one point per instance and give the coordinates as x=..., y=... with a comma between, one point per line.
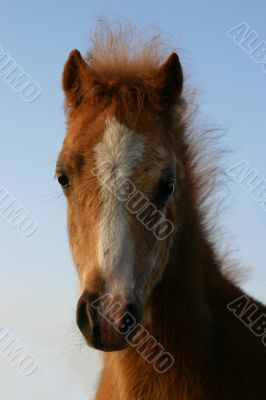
x=63, y=180
x=166, y=190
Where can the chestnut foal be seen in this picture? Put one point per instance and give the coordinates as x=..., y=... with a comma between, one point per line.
x=153, y=294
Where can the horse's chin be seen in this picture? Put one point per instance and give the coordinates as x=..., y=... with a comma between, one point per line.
x=107, y=346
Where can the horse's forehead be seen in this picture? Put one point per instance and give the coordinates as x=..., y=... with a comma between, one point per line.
x=120, y=149
x=113, y=144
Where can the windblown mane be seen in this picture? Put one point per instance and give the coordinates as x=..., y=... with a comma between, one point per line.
x=126, y=68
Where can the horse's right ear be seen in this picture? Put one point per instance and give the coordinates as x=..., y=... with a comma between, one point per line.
x=172, y=79
x=75, y=75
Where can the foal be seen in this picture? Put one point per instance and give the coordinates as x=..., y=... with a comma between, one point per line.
x=153, y=295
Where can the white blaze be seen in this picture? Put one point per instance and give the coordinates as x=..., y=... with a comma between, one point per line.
x=116, y=155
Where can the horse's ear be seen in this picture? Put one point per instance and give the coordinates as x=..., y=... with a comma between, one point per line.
x=75, y=75
x=172, y=78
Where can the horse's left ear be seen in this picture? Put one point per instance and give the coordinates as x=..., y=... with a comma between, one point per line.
x=171, y=76
x=75, y=76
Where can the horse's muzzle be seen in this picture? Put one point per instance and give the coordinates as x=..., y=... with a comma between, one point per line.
x=106, y=322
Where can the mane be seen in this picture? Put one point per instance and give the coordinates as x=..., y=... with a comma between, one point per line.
x=120, y=48
x=124, y=67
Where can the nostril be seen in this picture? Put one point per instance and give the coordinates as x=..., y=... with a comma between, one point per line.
x=134, y=310
x=82, y=314
x=130, y=319
x=86, y=316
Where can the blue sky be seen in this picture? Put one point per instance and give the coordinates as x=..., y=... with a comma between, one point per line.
x=38, y=283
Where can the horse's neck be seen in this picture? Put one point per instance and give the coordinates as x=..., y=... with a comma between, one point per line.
x=178, y=308
x=179, y=315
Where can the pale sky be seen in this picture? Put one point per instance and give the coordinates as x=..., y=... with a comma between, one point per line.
x=38, y=283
